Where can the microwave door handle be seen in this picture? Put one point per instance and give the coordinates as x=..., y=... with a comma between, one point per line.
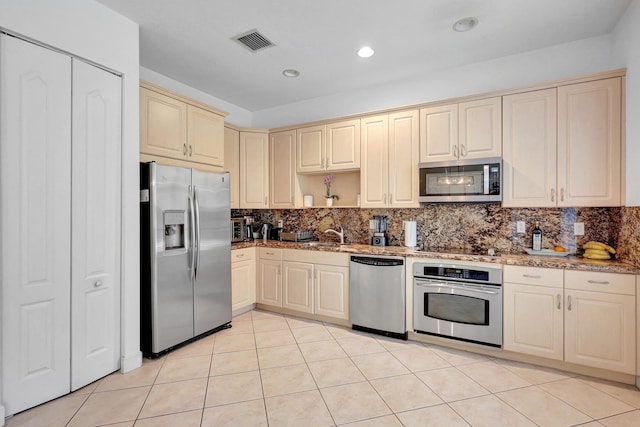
x=485, y=170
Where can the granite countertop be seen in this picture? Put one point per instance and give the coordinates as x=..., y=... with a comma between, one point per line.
x=569, y=262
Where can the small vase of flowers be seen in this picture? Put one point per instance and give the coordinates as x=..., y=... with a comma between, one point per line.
x=328, y=196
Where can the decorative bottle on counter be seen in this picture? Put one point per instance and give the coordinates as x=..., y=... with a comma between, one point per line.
x=536, y=237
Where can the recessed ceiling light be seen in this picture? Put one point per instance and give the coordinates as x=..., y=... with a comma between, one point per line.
x=290, y=72
x=465, y=24
x=365, y=52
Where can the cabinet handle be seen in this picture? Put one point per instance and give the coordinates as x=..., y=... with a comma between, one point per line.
x=239, y=255
x=559, y=301
x=562, y=194
x=569, y=302
x=384, y=198
x=97, y=284
x=270, y=253
x=190, y=151
x=184, y=149
x=265, y=200
x=455, y=150
x=599, y=282
x=532, y=276
x=463, y=151
x=553, y=194
x=390, y=198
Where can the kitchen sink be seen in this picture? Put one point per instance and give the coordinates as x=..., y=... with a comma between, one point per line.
x=320, y=244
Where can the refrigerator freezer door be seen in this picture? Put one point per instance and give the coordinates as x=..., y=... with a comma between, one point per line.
x=212, y=288
x=171, y=289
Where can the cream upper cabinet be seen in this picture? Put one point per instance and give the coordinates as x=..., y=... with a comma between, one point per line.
x=282, y=161
x=389, y=171
x=582, y=317
x=468, y=130
x=254, y=170
x=205, y=136
x=243, y=278
x=529, y=149
x=174, y=127
x=533, y=311
x=331, y=147
x=163, y=125
x=589, y=143
x=600, y=320
x=232, y=164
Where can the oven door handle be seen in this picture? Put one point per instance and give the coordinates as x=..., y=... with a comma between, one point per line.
x=430, y=284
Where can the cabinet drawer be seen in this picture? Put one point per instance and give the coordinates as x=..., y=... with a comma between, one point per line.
x=246, y=254
x=533, y=276
x=612, y=283
x=271, y=253
x=316, y=257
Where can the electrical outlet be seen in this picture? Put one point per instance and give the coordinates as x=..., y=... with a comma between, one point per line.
x=578, y=228
x=520, y=227
x=280, y=223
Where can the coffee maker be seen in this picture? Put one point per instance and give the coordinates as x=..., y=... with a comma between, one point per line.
x=380, y=234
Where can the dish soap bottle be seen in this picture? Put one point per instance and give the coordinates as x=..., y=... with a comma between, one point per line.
x=536, y=237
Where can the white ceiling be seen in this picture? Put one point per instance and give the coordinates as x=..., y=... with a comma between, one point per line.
x=191, y=40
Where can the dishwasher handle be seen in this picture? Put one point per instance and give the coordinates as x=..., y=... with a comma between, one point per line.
x=377, y=261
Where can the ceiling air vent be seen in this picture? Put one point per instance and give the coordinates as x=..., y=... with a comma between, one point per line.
x=253, y=40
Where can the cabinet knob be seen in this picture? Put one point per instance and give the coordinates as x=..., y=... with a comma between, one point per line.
x=97, y=284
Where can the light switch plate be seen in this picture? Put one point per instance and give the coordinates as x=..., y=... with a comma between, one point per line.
x=520, y=227
x=578, y=228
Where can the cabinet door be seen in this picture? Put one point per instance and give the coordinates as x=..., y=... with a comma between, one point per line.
x=243, y=284
x=95, y=266
x=529, y=149
x=205, y=136
x=332, y=291
x=600, y=330
x=270, y=282
x=282, y=162
x=403, y=159
x=533, y=320
x=589, y=121
x=480, y=128
x=163, y=125
x=343, y=145
x=232, y=164
x=310, y=149
x=254, y=170
x=297, y=286
x=439, y=133
x=374, y=178
x=35, y=195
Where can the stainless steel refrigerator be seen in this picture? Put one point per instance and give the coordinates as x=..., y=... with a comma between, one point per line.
x=185, y=272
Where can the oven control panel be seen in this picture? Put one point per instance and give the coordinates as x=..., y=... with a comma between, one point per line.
x=452, y=271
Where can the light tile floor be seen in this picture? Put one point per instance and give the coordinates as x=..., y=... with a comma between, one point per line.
x=273, y=370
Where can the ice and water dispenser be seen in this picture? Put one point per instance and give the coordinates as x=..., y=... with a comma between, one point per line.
x=174, y=230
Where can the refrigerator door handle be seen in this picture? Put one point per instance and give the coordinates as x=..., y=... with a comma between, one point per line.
x=197, y=227
x=192, y=235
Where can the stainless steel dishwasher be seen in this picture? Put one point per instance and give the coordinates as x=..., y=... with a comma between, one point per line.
x=377, y=295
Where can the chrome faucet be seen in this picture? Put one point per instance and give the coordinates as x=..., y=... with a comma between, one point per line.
x=341, y=234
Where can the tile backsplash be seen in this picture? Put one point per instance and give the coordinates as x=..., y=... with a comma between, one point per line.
x=472, y=227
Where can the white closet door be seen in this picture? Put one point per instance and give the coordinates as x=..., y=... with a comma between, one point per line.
x=35, y=175
x=95, y=265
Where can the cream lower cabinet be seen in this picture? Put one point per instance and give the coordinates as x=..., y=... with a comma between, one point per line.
x=600, y=320
x=587, y=318
x=533, y=311
x=243, y=278
x=269, y=278
x=316, y=282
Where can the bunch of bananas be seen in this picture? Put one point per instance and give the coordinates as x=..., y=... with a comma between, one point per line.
x=597, y=250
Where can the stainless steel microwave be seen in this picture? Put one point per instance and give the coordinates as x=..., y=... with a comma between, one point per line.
x=476, y=180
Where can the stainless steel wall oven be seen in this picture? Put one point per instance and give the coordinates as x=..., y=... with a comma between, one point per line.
x=458, y=301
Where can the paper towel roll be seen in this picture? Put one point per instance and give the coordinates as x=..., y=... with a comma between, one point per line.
x=410, y=233
x=308, y=200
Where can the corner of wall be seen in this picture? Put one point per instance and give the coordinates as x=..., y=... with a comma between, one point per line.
x=130, y=362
